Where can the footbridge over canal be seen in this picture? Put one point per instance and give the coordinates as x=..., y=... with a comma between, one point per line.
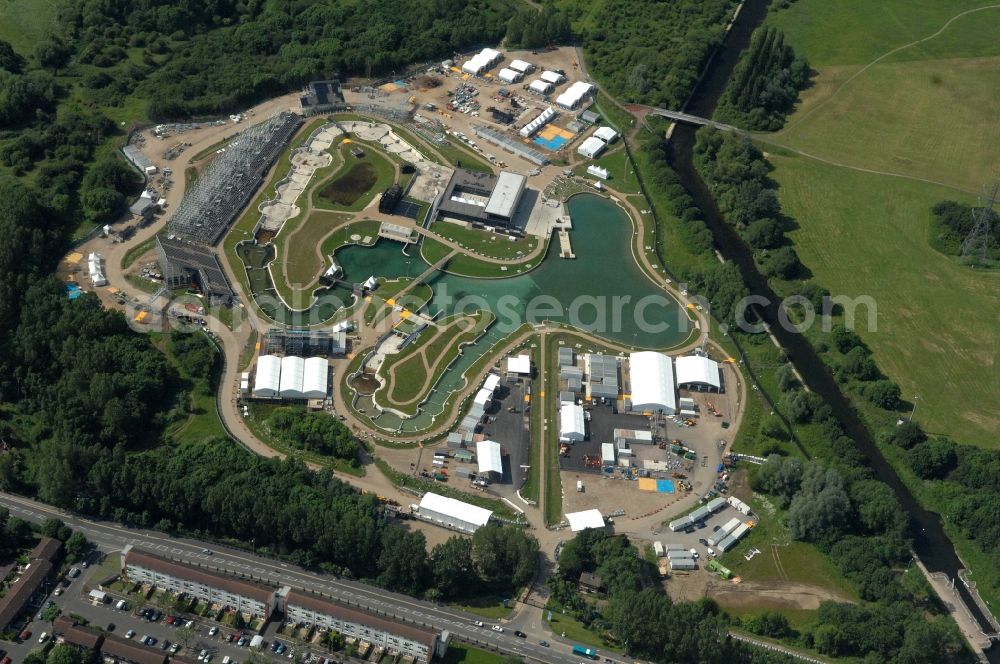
x=687, y=118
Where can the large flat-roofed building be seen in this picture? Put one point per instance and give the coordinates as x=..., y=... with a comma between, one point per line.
x=482, y=198
x=239, y=595
x=490, y=458
x=322, y=97
x=31, y=580
x=396, y=638
x=452, y=513
x=185, y=264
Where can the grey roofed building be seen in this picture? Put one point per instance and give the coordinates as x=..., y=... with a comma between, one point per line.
x=700, y=513
x=574, y=383
x=142, y=206
x=600, y=390
x=589, y=117
x=570, y=372
x=506, y=195
x=565, y=356
x=136, y=158
x=28, y=583
x=567, y=396
x=184, y=263
x=322, y=97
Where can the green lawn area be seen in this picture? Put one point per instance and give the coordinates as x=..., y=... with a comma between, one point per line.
x=612, y=114
x=302, y=264
x=483, y=242
x=353, y=186
x=459, y=653
x=469, y=266
x=457, y=153
x=433, y=350
x=488, y=606
x=937, y=328
x=572, y=629
x=622, y=173
x=24, y=22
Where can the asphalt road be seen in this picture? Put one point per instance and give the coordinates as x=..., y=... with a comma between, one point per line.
x=111, y=537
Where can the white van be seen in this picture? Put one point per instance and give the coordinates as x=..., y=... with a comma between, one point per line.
x=226, y=660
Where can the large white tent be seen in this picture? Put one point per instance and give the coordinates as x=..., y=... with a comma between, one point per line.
x=587, y=519
x=314, y=379
x=698, y=372
x=571, y=424
x=293, y=371
x=606, y=134
x=452, y=513
x=488, y=457
x=265, y=382
x=591, y=147
x=652, y=378
x=573, y=95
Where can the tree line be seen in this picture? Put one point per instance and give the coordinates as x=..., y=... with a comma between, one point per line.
x=765, y=83
x=646, y=623
x=952, y=223
x=647, y=51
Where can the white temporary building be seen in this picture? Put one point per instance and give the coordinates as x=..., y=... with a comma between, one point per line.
x=683, y=564
x=452, y=513
x=553, y=77
x=591, y=147
x=541, y=87
x=574, y=94
x=522, y=66
x=519, y=364
x=571, y=426
x=491, y=55
x=587, y=519
x=488, y=456
x=266, y=382
x=509, y=75
x=314, y=378
x=606, y=134
x=723, y=532
x=652, y=379
x=474, y=66
x=540, y=120
x=483, y=397
x=607, y=454
x=96, y=270
x=293, y=370
x=698, y=372
x=598, y=172
x=491, y=383
x=739, y=505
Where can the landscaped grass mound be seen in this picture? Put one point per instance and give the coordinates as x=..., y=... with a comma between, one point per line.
x=351, y=186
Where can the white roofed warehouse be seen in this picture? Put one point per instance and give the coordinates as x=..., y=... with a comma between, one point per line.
x=651, y=378
x=571, y=423
x=266, y=381
x=490, y=459
x=314, y=378
x=574, y=94
x=293, y=371
x=587, y=519
x=592, y=147
x=606, y=134
x=452, y=513
x=698, y=373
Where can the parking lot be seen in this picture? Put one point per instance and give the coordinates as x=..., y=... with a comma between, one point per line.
x=202, y=635
x=508, y=424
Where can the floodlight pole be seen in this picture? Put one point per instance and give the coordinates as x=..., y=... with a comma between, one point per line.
x=915, y=397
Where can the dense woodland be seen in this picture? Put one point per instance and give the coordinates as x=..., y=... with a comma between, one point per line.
x=765, y=84
x=954, y=221
x=647, y=51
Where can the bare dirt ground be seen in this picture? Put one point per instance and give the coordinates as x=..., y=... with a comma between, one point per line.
x=769, y=594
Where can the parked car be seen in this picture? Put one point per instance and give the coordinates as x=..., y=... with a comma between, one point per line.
x=57, y=592
x=281, y=648
x=43, y=637
x=544, y=644
x=201, y=655
x=213, y=631
x=25, y=635
x=174, y=648
x=497, y=628
x=229, y=639
x=5, y=660
x=143, y=638
x=111, y=627
x=520, y=634
x=129, y=634
x=164, y=645
x=242, y=641
x=150, y=640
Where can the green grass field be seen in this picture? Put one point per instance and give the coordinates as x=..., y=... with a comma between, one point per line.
x=459, y=653
x=23, y=23
x=302, y=264
x=353, y=186
x=925, y=112
x=483, y=242
x=938, y=328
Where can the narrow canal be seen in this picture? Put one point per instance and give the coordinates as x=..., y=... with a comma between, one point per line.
x=929, y=539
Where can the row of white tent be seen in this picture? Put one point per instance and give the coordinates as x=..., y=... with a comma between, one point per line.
x=540, y=121
x=291, y=377
x=482, y=61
